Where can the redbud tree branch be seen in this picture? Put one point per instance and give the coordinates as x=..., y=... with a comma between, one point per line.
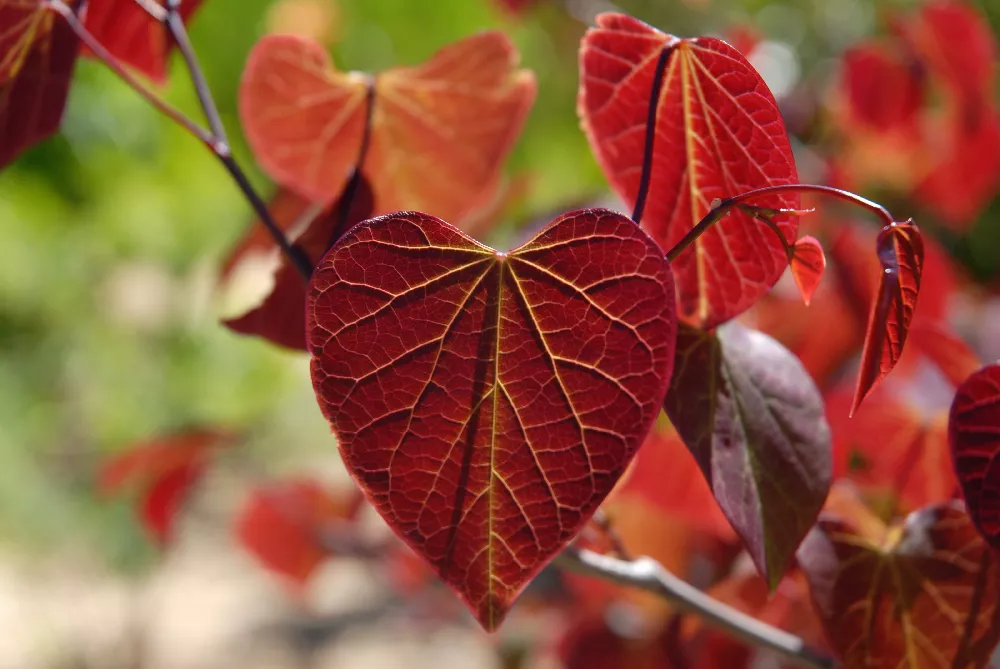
x=213, y=138
x=647, y=574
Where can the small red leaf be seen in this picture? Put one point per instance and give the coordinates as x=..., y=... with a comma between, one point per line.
x=280, y=318
x=925, y=594
x=283, y=525
x=488, y=402
x=37, y=52
x=974, y=437
x=132, y=36
x=460, y=112
x=901, y=254
x=807, y=265
x=719, y=134
x=164, y=471
x=753, y=419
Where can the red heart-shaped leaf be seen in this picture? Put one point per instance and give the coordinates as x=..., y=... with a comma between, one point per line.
x=900, y=251
x=132, y=36
x=718, y=134
x=753, y=419
x=439, y=131
x=488, y=402
x=974, y=437
x=924, y=594
x=37, y=52
x=807, y=266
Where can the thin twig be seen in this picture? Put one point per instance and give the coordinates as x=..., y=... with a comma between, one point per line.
x=153, y=9
x=115, y=66
x=647, y=152
x=649, y=575
x=721, y=208
x=214, y=138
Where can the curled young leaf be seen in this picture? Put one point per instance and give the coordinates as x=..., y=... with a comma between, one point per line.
x=753, y=419
x=807, y=266
x=439, y=131
x=974, y=437
x=718, y=134
x=488, y=402
x=925, y=594
x=38, y=50
x=900, y=251
x=132, y=36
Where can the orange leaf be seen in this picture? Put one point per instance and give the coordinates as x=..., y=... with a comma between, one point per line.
x=807, y=265
x=901, y=253
x=925, y=595
x=283, y=525
x=37, y=53
x=439, y=131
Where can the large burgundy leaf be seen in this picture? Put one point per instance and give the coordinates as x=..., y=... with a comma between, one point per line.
x=923, y=594
x=974, y=437
x=132, y=36
x=753, y=419
x=900, y=251
x=37, y=53
x=488, y=402
x=280, y=318
x=439, y=131
x=718, y=134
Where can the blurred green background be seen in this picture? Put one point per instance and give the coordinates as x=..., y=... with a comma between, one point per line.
x=113, y=233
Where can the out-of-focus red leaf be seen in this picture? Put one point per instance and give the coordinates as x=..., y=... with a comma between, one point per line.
x=956, y=42
x=966, y=173
x=807, y=266
x=283, y=525
x=37, y=53
x=753, y=419
x=900, y=250
x=743, y=37
x=488, y=402
x=923, y=595
x=974, y=436
x=516, y=7
x=440, y=131
x=944, y=348
x=280, y=318
x=132, y=35
x=163, y=470
x=719, y=134
x=666, y=476
x=884, y=89
x=892, y=451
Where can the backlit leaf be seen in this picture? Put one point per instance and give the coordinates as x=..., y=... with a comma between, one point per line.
x=939, y=344
x=37, y=53
x=900, y=250
x=132, y=36
x=753, y=419
x=163, y=470
x=719, y=134
x=924, y=595
x=974, y=436
x=488, y=402
x=280, y=318
x=807, y=266
x=283, y=525
x=439, y=135
x=884, y=91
